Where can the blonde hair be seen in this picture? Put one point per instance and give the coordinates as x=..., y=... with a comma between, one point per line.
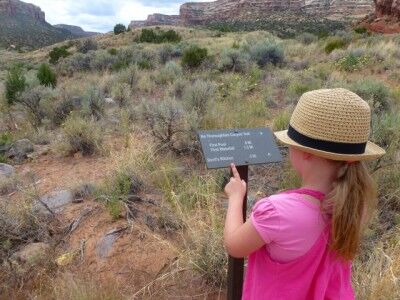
x=350, y=205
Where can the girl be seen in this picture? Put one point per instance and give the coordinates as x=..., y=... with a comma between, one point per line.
x=301, y=242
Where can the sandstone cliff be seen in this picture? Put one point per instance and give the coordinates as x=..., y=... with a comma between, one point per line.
x=14, y=7
x=389, y=8
x=199, y=13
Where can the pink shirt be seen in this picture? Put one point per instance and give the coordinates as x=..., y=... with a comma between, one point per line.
x=296, y=263
x=288, y=223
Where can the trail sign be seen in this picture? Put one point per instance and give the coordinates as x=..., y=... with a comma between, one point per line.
x=243, y=147
x=240, y=146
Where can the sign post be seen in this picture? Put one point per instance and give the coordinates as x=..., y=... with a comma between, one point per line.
x=243, y=147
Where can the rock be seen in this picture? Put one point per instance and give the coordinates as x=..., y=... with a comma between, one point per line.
x=55, y=201
x=389, y=8
x=20, y=149
x=107, y=242
x=110, y=101
x=201, y=13
x=31, y=252
x=6, y=171
x=13, y=8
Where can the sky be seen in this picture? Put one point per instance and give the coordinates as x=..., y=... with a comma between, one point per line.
x=102, y=15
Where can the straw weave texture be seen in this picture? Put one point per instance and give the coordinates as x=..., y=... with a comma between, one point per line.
x=336, y=115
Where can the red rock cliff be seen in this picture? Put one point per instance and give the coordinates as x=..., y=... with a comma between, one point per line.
x=14, y=7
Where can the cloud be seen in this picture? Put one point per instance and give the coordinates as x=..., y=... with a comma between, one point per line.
x=102, y=15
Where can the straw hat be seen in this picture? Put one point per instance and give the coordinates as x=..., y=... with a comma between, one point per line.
x=332, y=123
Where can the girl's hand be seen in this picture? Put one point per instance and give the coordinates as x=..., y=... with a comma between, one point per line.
x=236, y=188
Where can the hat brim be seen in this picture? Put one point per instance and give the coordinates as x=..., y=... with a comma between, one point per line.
x=372, y=151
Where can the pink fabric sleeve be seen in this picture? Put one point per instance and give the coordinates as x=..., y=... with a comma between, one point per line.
x=265, y=219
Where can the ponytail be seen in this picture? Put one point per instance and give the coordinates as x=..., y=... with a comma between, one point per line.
x=350, y=204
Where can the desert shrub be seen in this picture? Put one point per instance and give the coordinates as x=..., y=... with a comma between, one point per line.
x=386, y=129
x=333, y=43
x=233, y=60
x=58, y=52
x=112, y=51
x=87, y=45
x=307, y=38
x=178, y=87
x=32, y=102
x=15, y=83
x=77, y=63
x=281, y=121
x=62, y=111
x=103, y=61
x=119, y=28
x=353, y=61
x=193, y=56
x=159, y=36
x=81, y=135
x=121, y=93
x=360, y=30
x=376, y=92
x=169, y=72
x=198, y=95
x=47, y=76
x=165, y=53
x=171, y=126
x=20, y=225
x=266, y=52
x=93, y=103
x=128, y=76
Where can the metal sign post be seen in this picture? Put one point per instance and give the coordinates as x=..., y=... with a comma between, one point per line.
x=243, y=147
x=236, y=265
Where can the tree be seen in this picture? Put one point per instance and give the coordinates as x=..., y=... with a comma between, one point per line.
x=15, y=83
x=57, y=53
x=46, y=76
x=119, y=28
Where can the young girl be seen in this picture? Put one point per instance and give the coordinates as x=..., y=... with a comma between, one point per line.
x=301, y=242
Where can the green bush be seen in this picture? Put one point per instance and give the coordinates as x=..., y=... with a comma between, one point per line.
x=81, y=135
x=121, y=93
x=233, y=60
x=376, y=92
x=87, y=45
x=151, y=36
x=193, y=56
x=266, y=52
x=57, y=53
x=334, y=43
x=281, y=121
x=62, y=111
x=47, y=76
x=353, y=61
x=165, y=53
x=15, y=83
x=119, y=28
x=360, y=30
x=112, y=51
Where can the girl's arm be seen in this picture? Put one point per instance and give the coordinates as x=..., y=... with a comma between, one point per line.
x=240, y=238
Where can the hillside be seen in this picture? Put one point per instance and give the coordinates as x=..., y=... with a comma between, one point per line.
x=24, y=25
x=111, y=149
x=76, y=30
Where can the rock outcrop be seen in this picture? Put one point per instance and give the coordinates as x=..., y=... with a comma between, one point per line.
x=157, y=19
x=13, y=7
x=200, y=13
x=389, y=8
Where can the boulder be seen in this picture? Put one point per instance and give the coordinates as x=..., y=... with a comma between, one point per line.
x=20, y=149
x=107, y=242
x=31, y=252
x=56, y=201
x=6, y=171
